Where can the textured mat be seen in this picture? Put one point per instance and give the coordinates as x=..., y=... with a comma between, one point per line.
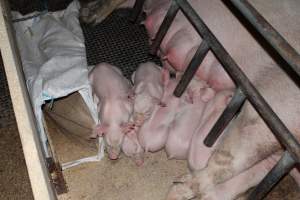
x=119, y=42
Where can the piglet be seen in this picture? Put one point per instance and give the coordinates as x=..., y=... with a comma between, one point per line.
x=153, y=133
x=198, y=153
x=131, y=147
x=148, y=90
x=113, y=94
x=187, y=120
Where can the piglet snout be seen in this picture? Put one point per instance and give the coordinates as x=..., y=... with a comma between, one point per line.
x=113, y=156
x=113, y=153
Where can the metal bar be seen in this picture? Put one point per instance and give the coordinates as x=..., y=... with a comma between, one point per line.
x=228, y=114
x=164, y=27
x=57, y=177
x=288, y=53
x=283, y=166
x=261, y=106
x=137, y=10
x=191, y=69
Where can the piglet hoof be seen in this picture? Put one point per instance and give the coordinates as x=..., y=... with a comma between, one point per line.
x=128, y=127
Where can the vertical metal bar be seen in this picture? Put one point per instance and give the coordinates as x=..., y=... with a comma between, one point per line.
x=137, y=10
x=284, y=165
x=288, y=53
x=262, y=107
x=164, y=27
x=228, y=114
x=191, y=69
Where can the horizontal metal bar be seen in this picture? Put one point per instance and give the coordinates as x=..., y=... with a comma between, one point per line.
x=231, y=110
x=288, y=53
x=283, y=166
x=191, y=69
x=164, y=27
x=261, y=106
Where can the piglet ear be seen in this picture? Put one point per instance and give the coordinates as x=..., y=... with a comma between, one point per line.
x=132, y=77
x=165, y=76
x=99, y=130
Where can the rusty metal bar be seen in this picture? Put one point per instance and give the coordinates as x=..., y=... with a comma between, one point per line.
x=164, y=27
x=137, y=10
x=191, y=69
x=288, y=53
x=57, y=177
x=228, y=114
x=237, y=75
x=283, y=166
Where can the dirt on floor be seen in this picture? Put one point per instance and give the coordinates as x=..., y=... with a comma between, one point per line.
x=122, y=179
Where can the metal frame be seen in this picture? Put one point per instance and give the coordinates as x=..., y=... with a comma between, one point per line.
x=245, y=89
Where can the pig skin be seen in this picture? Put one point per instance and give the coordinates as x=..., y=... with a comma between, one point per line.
x=111, y=91
x=247, y=142
x=187, y=120
x=148, y=90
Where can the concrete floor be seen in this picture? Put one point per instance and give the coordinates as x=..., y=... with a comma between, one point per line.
x=14, y=181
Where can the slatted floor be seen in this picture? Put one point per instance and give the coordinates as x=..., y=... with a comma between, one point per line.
x=118, y=41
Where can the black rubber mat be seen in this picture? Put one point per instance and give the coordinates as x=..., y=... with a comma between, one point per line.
x=28, y=6
x=119, y=42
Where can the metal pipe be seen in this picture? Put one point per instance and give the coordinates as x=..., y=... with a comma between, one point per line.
x=191, y=69
x=137, y=10
x=261, y=106
x=283, y=166
x=228, y=114
x=164, y=27
x=288, y=53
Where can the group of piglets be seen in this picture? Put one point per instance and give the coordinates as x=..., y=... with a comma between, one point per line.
x=147, y=117
x=247, y=150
